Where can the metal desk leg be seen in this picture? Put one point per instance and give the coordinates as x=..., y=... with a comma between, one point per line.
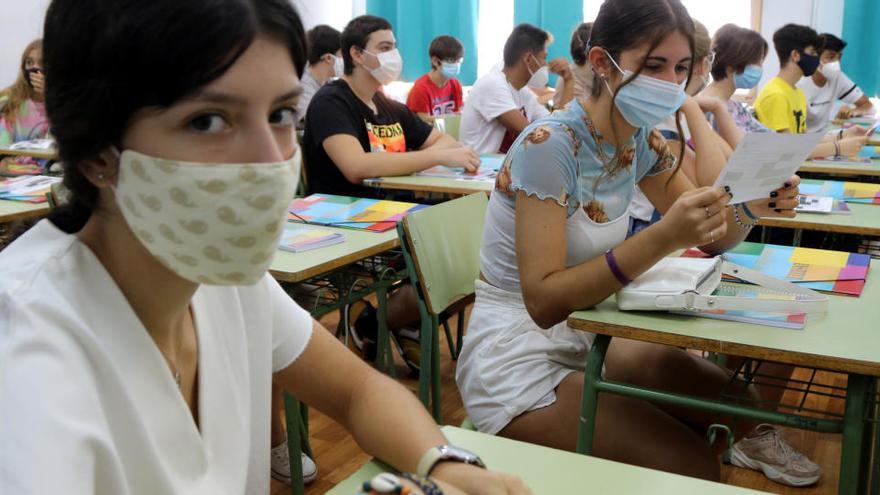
x=294, y=443
x=857, y=391
x=590, y=395
x=384, y=355
x=798, y=236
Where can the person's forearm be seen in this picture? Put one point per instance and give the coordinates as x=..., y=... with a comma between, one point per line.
x=444, y=141
x=867, y=108
x=709, y=156
x=567, y=94
x=388, y=422
x=589, y=283
x=735, y=234
x=391, y=164
x=823, y=149
x=727, y=128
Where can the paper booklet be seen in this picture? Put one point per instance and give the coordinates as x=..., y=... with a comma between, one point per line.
x=298, y=238
x=762, y=162
x=815, y=204
x=30, y=188
x=34, y=144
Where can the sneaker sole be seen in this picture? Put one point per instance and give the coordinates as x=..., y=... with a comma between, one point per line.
x=739, y=459
x=287, y=480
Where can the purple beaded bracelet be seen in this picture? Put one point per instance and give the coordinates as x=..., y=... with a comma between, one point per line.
x=615, y=269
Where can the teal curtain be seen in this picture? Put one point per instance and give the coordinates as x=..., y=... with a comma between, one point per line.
x=862, y=53
x=417, y=22
x=559, y=17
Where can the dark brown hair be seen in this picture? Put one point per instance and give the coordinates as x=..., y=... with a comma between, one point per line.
x=625, y=24
x=445, y=48
x=580, y=39
x=735, y=48
x=105, y=60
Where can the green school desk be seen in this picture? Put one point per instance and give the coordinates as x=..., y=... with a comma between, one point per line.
x=864, y=219
x=846, y=339
x=548, y=471
x=17, y=210
x=842, y=170
x=442, y=185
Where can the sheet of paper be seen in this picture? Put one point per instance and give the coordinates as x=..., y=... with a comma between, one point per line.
x=762, y=162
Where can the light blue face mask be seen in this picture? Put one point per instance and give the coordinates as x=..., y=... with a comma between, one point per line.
x=450, y=69
x=749, y=77
x=646, y=101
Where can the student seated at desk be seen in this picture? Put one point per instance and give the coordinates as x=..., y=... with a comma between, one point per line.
x=581, y=72
x=676, y=132
x=739, y=56
x=23, y=113
x=828, y=85
x=353, y=132
x=140, y=329
x=325, y=63
x=500, y=105
x=555, y=242
x=438, y=92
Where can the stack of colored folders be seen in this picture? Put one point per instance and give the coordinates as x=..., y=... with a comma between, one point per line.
x=835, y=272
x=376, y=215
x=298, y=238
x=29, y=189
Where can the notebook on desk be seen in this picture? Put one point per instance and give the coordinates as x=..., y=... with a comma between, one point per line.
x=377, y=215
x=298, y=238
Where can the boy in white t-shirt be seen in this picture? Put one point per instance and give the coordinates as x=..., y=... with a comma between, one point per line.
x=500, y=105
x=829, y=84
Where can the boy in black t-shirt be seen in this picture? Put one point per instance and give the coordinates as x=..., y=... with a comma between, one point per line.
x=354, y=132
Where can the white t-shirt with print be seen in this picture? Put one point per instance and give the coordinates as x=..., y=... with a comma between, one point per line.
x=820, y=100
x=491, y=96
x=87, y=402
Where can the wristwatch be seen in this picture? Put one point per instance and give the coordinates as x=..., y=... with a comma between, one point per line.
x=435, y=455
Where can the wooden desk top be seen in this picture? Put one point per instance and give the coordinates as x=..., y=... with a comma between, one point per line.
x=17, y=210
x=431, y=184
x=864, y=219
x=42, y=154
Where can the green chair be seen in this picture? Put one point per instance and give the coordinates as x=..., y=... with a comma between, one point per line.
x=449, y=124
x=441, y=247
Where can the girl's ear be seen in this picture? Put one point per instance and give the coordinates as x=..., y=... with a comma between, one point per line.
x=599, y=61
x=101, y=170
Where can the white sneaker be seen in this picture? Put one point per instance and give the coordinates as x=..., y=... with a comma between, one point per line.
x=281, y=466
x=768, y=452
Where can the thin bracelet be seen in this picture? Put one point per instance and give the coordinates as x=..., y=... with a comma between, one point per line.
x=427, y=486
x=840, y=135
x=836, y=150
x=739, y=221
x=615, y=268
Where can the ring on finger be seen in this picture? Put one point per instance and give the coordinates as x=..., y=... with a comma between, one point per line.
x=708, y=213
x=711, y=236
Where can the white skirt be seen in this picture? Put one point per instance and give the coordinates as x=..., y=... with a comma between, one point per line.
x=508, y=364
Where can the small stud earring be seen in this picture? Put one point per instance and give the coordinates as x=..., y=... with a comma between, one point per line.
x=101, y=176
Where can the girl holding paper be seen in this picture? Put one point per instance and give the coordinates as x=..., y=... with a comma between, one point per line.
x=555, y=242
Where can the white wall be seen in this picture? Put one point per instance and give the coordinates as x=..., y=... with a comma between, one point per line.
x=20, y=23
x=825, y=16
x=335, y=13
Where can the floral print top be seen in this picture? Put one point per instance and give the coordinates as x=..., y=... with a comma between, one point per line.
x=31, y=123
x=564, y=157
x=742, y=116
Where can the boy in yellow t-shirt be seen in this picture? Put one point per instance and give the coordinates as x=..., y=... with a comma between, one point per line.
x=781, y=105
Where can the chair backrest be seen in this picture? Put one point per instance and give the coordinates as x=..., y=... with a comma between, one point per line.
x=303, y=185
x=450, y=124
x=444, y=244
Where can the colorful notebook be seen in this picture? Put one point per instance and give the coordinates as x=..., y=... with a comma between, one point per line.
x=843, y=160
x=818, y=269
x=870, y=152
x=298, y=238
x=489, y=166
x=377, y=215
x=28, y=189
x=851, y=192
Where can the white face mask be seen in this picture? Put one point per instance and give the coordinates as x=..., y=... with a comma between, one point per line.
x=338, y=66
x=390, y=66
x=830, y=71
x=210, y=223
x=540, y=77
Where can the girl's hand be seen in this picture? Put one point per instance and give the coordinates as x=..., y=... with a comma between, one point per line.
x=850, y=146
x=697, y=218
x=854, y=131
x=474, y=480
x=38, y=80
x=779, y=203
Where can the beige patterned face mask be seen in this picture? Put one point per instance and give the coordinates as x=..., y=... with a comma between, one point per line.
x=210, y=223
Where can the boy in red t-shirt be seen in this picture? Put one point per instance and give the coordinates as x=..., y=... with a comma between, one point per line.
x=438, y=92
